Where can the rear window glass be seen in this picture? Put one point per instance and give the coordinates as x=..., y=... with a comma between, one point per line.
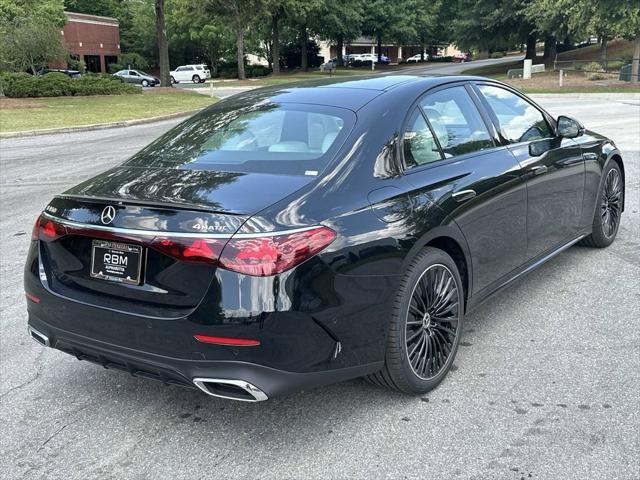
x=264, y=138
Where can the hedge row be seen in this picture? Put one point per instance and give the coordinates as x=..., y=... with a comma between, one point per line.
x=250, y=71
x=20, y=85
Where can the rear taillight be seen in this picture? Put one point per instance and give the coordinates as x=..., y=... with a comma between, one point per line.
x=259, y=256
x=201, y=250
x=47, y=230
x=265, y=256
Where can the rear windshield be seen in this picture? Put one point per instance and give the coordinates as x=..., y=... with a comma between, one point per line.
x=292, y=139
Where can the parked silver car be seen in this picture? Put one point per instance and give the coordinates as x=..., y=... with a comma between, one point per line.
x=138, y=77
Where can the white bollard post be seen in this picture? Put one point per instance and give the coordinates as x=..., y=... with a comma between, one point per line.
x=561, y=77
x=526, y=71
x=211, y=89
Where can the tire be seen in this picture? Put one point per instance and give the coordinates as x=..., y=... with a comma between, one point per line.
x=173, y=80
x=606, y=219
x=195, y=79
x=408, y=366
x=145, y=83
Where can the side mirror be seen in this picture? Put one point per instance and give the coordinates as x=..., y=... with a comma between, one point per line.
x=568, y=127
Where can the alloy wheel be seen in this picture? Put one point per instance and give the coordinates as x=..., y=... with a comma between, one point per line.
x=611, y=205
x=432, y=321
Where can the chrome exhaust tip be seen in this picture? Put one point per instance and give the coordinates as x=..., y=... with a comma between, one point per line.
x=230, y=389
x=39, y=337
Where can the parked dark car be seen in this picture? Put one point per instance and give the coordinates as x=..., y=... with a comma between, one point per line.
x=138, y=77
x=299, y=235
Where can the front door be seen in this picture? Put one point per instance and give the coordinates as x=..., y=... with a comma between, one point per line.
x=553, y=168
x=476, y=182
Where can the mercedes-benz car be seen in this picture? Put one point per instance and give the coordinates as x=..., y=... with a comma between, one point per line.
x=295, y=236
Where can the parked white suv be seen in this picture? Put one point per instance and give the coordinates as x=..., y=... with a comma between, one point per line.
x=190, y=73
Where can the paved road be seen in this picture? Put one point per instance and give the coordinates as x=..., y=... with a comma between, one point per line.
x=545, y=386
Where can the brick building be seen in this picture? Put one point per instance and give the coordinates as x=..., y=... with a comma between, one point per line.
x=93, y=39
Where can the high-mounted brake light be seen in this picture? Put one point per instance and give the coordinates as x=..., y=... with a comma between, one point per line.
x=265, y=256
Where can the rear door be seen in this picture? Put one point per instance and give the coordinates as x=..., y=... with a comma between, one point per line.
x=553, y=166
x=453, y=160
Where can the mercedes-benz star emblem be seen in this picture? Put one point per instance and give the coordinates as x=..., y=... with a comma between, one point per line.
x=108, y=214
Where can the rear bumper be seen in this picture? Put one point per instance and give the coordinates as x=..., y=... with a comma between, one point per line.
x=267, y=382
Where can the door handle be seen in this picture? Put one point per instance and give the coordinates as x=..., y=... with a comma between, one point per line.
x=464, y=195
x=539, y=169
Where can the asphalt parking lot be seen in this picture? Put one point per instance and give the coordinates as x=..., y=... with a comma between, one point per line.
x=546, y=383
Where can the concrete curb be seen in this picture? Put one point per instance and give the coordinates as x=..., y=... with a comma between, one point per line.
x=98, y=126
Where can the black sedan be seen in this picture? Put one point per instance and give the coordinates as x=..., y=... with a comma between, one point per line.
x=300, y=235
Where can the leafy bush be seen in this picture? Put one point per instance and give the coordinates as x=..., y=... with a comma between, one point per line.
x=497, y=55
x=258, y=71
x=7, y=79
x=615, y=65
x=592, y=67
x=75, y=64
x=60, y=85
x=597, y=76
x=441, y=59
x=102, y=85
x=230, y=70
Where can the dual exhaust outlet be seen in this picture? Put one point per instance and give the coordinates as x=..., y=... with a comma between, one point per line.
x=216, y=387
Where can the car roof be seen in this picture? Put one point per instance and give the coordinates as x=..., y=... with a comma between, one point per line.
x=347, y=92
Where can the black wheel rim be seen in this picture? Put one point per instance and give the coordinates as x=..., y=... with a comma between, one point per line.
x=611, y=206
x=432, y=321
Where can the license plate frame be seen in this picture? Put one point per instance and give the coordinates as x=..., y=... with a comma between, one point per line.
x=116, y=262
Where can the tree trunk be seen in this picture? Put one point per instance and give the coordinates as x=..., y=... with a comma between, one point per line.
x=422, y=48
x=163, y=47
x=304, y=64
x=379, y=48
x=550, y=49
x=275, y=49
x=635, y=63
x=339, y=47
x=531, y=47
x=240, y=50
x=603, y=52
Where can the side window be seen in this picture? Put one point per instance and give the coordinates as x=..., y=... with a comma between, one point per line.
x=519, y=120
x=456, y=122
x=418, y=143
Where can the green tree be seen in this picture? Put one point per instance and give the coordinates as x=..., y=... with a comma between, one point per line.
x=31, y=46
x=494, y=25
x=43, y=12
x=427, y=23
x=239, y=15
x=30, y=34
x=339, y=21
x=390, y=21
x=301, y=14
x=194, y=35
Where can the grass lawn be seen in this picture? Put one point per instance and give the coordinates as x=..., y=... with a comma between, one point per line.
x=42, y=113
